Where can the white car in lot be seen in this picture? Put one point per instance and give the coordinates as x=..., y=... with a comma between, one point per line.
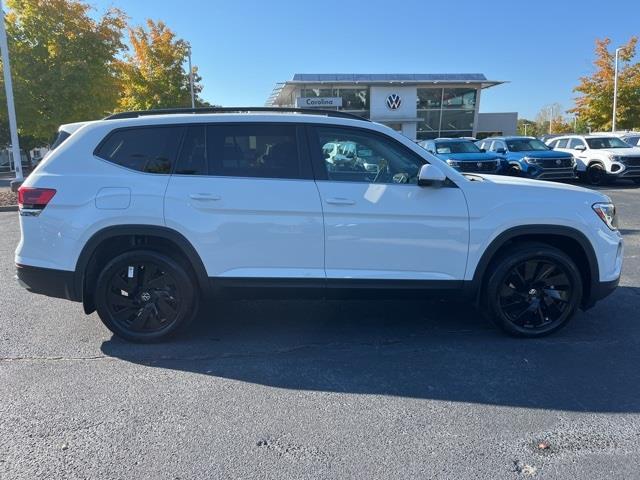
x=601, y=157
x=141, y=215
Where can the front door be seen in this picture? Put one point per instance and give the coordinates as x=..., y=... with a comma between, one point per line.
x=244, y=196
x=379, y=224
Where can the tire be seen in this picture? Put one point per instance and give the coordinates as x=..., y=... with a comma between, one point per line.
x=533, y=290
x=596, y=174
x=514, y=171
x=143, y=296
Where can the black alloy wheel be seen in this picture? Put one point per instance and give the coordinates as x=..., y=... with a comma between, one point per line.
x=145, y=296
x=596, y=175
x=534, y=291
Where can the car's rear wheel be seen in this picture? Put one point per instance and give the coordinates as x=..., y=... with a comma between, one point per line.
x=533, y=290
x=145, y=296
x=596, y=174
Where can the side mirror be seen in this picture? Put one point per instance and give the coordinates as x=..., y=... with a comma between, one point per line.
x=580, y=148
x=430, y=176
x=500, y=150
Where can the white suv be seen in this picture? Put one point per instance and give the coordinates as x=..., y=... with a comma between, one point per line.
x=141, y=215
x=601, y=157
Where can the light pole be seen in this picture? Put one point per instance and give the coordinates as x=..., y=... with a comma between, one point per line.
x=193, y=100
x=525, y=125
x=615, y=90
x=550, y=117
x=11, y=108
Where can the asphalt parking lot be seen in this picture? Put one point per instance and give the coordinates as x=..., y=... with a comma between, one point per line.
x=313, y=389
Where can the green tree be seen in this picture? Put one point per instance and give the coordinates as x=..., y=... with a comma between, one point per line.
x=63, y=65
x=594, y=106
x=152, y=75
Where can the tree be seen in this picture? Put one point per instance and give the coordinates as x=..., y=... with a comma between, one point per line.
x=63, y=65
x=594, y=106
x=532, y=128
x=152, y=76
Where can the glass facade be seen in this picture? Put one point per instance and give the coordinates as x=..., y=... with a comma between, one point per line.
x=445, y=112
x=354, y=99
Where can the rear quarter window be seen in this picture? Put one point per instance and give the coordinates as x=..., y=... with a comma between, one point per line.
x=144, y=149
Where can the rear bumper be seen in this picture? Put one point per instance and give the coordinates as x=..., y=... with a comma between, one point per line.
x=47, y=281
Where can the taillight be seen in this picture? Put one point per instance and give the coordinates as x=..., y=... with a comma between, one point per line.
x=34, y=200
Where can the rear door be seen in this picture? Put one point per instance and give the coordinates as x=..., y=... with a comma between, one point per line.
x=244, y=196
x=379, y=224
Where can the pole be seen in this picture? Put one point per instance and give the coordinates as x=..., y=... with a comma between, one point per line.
x=525, y=125
x=575, y=123
x=550, y=117
x=193, y=100
x=11, y=108
x=615, y=91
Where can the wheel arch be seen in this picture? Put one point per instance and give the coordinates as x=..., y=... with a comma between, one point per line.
x=123, y=237
x=568, y=239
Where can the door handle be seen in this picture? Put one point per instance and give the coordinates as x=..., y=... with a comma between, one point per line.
x=340, y=201
x=206, y=197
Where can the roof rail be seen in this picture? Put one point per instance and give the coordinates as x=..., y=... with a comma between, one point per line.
x=169, y=111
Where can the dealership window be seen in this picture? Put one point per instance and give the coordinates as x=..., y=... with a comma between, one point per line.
x=429, y=123
x=318, y=92
x=354, y=98
x=457, y=120
x=429, y=98
x=459, y=98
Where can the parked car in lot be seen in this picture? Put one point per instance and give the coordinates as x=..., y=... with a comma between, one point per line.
x=529, y=157
x=601, y=157
x=632, y=138
x=143, y=214
x=465, y=156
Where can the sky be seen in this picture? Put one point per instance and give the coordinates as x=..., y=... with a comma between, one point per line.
x=243, y=47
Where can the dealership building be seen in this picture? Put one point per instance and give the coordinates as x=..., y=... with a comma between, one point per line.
x=421, y=106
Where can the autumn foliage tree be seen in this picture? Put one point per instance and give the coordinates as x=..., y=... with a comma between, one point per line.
x=152, y=74
x=594, y=106
x=63, y=65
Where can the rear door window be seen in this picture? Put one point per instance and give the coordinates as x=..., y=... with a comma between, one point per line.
x=144, y=149
x=255, y=150
x=561, y=143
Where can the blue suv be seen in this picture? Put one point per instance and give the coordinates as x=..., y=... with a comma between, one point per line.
x=530, y=157
x=465, y=156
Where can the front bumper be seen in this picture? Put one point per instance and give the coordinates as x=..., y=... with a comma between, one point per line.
x=554, y=173
x=47, y=281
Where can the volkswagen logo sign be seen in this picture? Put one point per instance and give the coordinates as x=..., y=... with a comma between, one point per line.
x=394, y=101
x=558, y=162
x=145, y=297
x=479, y=164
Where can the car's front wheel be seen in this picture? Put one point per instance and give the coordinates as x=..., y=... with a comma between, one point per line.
x=596, y=174
x=533, y=290
x=145, y=296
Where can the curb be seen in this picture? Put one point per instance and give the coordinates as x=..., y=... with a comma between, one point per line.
x=9, y=208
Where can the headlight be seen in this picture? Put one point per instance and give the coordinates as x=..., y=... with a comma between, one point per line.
x=531, y=161
x=573, y=162
x=607, y=213
x=453, y=163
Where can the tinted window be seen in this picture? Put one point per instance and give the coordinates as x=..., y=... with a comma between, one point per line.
x=193, y=155
x=606, y=142
x=561, y=143
x=633, y=140
x=253, y=150
x=60, y=137
x=575, y=142
x=553, y=144
x=360, y=156
x=525, y=145
x=456, y=147
x=147, y=149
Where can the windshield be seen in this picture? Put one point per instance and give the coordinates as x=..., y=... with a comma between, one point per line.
x=525, y=145
x=456, y=147
x=606, y=142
